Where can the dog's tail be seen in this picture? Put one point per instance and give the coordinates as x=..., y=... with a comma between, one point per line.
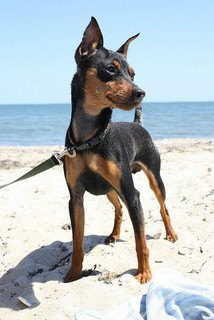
x=138, y=117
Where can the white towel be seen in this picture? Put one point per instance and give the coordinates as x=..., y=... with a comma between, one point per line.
x=170, y=296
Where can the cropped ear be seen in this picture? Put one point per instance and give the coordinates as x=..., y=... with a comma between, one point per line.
x=124, y=48
x=92, y=40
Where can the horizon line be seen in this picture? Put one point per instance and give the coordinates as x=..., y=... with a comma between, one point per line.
x=58, y=103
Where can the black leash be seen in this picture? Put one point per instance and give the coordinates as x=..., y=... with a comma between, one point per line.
x=57, y=158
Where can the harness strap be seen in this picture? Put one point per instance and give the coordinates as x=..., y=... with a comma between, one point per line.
x=90, y=143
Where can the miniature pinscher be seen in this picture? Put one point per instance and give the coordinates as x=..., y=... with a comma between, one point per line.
x=103, y=154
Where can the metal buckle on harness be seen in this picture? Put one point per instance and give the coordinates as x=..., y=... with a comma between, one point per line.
x=70, y=152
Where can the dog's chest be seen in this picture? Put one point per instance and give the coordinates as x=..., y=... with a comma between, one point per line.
x=95, y=184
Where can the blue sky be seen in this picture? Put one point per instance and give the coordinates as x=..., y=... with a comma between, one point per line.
x=173, y=57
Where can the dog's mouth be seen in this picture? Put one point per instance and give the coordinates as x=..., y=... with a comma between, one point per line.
x=124, y=95
x=125, y=99
x=124, y=105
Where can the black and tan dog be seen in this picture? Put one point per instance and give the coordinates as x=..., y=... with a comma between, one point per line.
x=103, y=154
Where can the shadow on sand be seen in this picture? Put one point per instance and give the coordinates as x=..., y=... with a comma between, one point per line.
x=48, y=263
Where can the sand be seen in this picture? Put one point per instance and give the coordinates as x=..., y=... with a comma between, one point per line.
x=35, y=237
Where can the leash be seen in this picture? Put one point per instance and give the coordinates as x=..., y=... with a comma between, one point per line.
x=57, y=158
x=54, y=160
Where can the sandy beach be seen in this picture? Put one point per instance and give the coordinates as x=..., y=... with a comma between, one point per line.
x=36, y=238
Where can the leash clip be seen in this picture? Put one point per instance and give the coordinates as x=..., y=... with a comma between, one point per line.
x=70, y=152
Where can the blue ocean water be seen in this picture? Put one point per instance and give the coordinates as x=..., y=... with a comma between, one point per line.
x=46, y=124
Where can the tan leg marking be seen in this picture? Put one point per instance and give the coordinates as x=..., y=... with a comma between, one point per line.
x=115, y=235
x=144, y=273
x=107, y=169
x=78, y=240
x=170, y=234
x=73, y=168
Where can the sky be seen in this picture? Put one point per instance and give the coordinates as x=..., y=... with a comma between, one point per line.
x=173, y=57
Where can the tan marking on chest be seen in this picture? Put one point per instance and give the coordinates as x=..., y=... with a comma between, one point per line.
x=108, y=169
x=73, y=169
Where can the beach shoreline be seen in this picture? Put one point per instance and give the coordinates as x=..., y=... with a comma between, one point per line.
x=35, y=236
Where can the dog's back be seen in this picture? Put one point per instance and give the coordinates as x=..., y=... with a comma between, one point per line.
x=130, y=140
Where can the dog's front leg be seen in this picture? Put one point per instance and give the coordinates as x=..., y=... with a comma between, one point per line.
x=76, y=211
x=120, y=178
x=137, y=217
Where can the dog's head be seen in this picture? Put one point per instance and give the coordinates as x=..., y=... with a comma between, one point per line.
x=108, y=78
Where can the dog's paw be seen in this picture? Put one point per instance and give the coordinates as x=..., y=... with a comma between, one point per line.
x=72, y=275
x=71, y=278
x=144, y=276
x=172, y=236
x=112, y=238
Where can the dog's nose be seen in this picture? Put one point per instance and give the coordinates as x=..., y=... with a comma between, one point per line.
x=138, y=93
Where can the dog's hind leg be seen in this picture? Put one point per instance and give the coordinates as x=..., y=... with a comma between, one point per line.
x=157, y=185
x=115, y=235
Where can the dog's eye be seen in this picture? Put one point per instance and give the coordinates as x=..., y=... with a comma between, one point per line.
x=110, y=69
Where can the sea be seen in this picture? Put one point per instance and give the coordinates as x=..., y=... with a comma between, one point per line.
x=46, y=124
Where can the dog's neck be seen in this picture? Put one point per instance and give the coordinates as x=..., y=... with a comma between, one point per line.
x=84, y=126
